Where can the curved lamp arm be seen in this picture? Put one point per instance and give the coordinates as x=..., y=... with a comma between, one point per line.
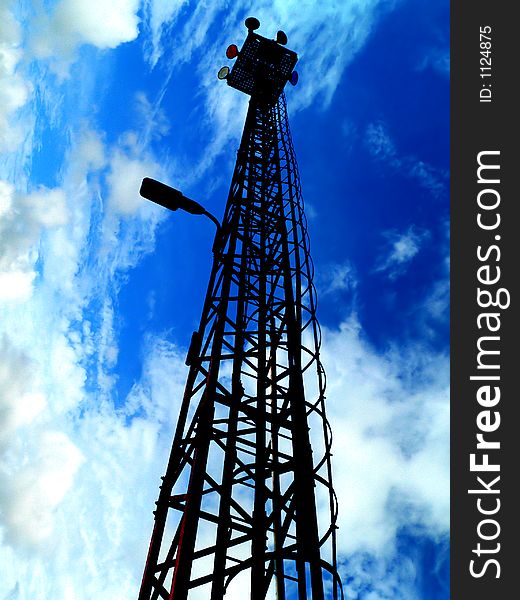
x=173, y=199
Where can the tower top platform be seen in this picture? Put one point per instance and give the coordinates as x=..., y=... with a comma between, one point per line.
x=262, y=66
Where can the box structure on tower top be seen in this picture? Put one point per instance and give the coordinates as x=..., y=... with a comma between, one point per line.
x=262, y=68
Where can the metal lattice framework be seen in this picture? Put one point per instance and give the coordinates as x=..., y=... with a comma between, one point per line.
x=246, y=508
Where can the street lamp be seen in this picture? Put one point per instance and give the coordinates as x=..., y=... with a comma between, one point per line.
x=173, y=199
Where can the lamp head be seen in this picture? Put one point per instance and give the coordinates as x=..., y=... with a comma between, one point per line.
x=169, y=197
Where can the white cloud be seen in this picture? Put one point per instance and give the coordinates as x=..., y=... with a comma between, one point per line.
x=68, y=499
x=14, y=89
x=77, y=492
x=159, y=14
x=23, y=218
x=337, y=277
x=437, y=303
x=124, y=179
x=102, y=24
x=400, y=250
x=16, y=285
x=57, y=34
x=47, y=207
x=89, y=152
x=34, y=487
x=73, y=22
x=38, y=463
x=154, y=124
x=6, y=197
x=376, y=580
x=20, y=401
x=390, y=419
x=379, y=141
x=129, y=162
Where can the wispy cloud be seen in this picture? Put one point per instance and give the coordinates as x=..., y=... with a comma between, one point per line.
x=382, y=147
x=337, y=277
x=159, y=14
x=209, y=29
x=400, y=250
x=153, y=122
x=437, y=59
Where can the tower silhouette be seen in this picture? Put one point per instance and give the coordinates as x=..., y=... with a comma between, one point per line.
x=246, y=508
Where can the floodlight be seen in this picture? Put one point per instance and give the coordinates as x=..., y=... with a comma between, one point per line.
x=281, y=38
x=232, y=51
x=223, y=73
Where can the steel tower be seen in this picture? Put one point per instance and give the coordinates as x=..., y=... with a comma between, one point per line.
x=246, y=508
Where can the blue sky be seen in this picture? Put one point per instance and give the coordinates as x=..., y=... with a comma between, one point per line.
x=100, y=291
